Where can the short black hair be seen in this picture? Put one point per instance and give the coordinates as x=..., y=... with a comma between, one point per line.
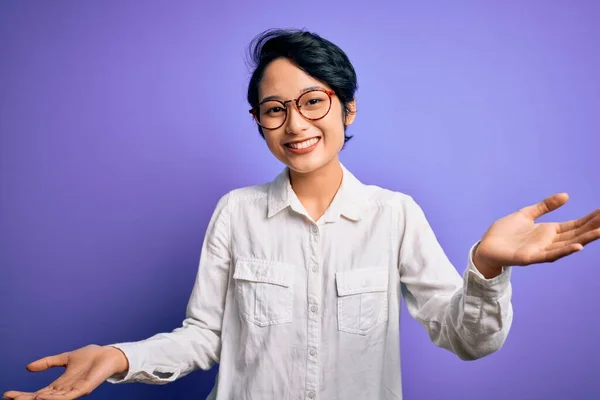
x=316, y=56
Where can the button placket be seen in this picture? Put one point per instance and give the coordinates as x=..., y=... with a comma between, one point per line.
x=314, y=318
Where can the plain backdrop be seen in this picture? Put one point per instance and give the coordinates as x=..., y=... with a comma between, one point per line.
x=123, y=122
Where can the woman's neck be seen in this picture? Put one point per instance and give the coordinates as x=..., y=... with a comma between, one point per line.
x=316, y=189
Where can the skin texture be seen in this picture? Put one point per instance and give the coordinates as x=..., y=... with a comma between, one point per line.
x=518, y=240
x=286, y=81
x=85, y=369
x=315, y=176
x=514, y=240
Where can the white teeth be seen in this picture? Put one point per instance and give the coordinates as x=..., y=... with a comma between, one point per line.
x=303, y=145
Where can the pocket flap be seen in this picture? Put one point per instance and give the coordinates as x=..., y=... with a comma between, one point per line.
x=362, y=280
x=263, y=271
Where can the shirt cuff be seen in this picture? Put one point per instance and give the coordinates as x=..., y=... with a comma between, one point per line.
x=477, y=282
x=134, y=368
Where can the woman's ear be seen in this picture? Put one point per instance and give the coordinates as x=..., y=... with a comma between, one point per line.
x=351, y=114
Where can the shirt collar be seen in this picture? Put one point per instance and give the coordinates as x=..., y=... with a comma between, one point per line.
x=350, y=200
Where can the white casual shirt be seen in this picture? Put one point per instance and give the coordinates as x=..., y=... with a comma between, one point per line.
x=292, y=308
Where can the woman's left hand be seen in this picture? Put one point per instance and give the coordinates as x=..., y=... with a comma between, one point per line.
x=517, y=240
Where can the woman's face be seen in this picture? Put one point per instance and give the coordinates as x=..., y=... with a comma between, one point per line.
x=303, y=145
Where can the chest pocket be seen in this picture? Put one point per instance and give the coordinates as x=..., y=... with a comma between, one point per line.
x=264, y=291
x=362, y=299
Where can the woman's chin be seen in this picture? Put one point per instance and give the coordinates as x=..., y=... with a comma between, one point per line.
x=308, y=164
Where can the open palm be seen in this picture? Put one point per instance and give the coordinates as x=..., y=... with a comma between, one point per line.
x=86, y=369
x=518, y=240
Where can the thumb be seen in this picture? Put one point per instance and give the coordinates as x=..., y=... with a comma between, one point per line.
x=59, y=360
x=545, y=206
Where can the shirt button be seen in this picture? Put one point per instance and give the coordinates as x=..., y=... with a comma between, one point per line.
x=311, y=395
x=315, y=229
x=315, y=268
x=314, y=308
x=313, y=352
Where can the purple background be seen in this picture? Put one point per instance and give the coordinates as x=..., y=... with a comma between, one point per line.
x=123, y=122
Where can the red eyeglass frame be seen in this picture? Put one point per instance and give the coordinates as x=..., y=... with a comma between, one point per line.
x=329, y=93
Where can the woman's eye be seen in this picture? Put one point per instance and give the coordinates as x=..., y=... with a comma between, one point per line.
x=274, y=110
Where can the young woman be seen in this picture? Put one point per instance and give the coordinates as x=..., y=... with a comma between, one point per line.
x=298, y=290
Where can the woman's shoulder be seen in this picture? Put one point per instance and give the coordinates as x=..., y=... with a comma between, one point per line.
x=381, y=196
x=245, y=194
x=248, y=192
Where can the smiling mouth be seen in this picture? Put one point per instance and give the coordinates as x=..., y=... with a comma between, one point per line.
x=304, y=144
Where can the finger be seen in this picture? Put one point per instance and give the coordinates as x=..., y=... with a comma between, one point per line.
x=12, y=394
x=576, y=223
x=55, y=392
x=553, y=255
x=49, y=392
x=545, y=206
x=583, y=239
x=590, y=225
x=59, y=360
x=15, y=394
x=64, y=395
x=28, y=396
x=49, y=395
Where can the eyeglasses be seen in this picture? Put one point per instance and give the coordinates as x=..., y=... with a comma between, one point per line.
x=312, y=105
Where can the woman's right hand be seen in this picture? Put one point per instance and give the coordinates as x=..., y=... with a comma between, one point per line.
x=86, y=369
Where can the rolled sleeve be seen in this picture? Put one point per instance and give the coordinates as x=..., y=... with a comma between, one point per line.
x=195, y=345
x=470, y=316
x=478, y=284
